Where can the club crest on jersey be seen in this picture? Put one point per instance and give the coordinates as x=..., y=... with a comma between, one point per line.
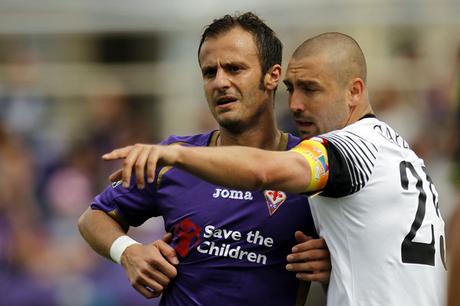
x=274, y=199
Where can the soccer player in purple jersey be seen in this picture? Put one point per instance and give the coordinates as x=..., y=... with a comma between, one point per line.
x=231, y=244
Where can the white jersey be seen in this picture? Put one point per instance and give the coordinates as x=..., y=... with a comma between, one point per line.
x=380, y=218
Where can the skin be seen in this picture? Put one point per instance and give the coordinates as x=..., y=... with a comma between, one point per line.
x=231, y=72
x=317, y=100
x=243, y=108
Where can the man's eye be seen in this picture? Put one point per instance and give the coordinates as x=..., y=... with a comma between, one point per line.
x=209, y=73
x=309, y=89
x=234, y=68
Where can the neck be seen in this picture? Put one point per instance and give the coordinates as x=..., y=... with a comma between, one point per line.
x=358, y=112
x=264, y=136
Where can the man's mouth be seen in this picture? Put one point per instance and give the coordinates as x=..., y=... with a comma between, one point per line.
x=303, y=123
x=225, y=100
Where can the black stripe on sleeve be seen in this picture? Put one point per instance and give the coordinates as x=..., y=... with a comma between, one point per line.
x=351, y=161
x=355, y=158
x=345, y=150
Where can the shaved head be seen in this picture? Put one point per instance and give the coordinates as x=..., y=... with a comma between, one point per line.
x=326, y=79
x=341, y=51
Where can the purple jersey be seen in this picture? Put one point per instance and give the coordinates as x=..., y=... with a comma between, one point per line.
x=232, y=244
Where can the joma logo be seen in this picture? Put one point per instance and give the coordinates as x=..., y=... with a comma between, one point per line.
x=232, y=194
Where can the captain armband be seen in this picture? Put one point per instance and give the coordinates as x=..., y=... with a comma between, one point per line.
x=316, y=155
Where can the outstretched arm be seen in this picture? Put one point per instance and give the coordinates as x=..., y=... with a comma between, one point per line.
x=233, y=166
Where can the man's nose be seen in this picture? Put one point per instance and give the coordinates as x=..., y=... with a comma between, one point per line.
x=222, y=79
x=296, y=103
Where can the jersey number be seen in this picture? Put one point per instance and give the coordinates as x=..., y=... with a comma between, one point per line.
x=412, y=251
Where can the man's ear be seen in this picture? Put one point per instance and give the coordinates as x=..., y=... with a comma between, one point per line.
x=272, y=77
x=356, y=91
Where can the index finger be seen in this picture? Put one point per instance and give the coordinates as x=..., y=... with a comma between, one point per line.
x=117, y=153
x=319, y=255
x=301, y=237
x=309, y=245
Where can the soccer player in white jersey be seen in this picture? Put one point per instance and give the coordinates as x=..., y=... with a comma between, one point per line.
x=372, y=198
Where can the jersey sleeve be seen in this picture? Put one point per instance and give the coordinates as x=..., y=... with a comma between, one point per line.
x=351, y=161
x=130, y=206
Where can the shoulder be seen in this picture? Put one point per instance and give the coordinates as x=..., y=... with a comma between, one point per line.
x=192, y=140
x=361, y=133
x=370, y=132
x=292, y=140
x=352, y=154
x=361, y=127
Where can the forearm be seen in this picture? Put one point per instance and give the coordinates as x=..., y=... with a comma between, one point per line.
x=245, y=167
x=99, y=230
x=233, y=166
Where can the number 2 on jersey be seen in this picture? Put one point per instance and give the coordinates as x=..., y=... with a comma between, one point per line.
x=412, y=251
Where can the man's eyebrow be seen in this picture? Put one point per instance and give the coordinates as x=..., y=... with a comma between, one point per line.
x=235, y=63
x=207, y=68
x=307, y=83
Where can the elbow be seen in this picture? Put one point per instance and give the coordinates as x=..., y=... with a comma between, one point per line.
x=82, y=222
x=280, y=172
x=261, y=179
x=266, y=172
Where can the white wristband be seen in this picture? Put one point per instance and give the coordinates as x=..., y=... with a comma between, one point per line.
x=119, y=246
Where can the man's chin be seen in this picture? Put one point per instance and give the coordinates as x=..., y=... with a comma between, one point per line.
x=231, y=124
x=307, y=133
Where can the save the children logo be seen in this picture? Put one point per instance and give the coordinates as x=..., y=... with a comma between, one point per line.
x=274, y=199
x=234, y=244
x=221, y=242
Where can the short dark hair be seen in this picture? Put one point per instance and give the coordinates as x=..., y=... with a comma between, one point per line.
x=270, y=48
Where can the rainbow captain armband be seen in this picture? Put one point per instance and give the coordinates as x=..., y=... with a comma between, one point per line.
x=316, y=155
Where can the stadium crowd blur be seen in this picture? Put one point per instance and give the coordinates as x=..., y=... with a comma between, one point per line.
x=50, y=167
